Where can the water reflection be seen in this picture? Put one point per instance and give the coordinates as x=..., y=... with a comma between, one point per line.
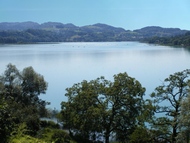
x=64, y=64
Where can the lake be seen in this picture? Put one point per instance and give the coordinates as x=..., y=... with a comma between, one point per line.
x=63, y=64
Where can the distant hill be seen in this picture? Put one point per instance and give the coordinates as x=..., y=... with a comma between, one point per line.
x=178, y=40
x=26, y=32
x=153, y=31
x=18, y=26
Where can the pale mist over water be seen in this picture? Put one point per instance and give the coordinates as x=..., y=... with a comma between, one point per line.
x=63, y=64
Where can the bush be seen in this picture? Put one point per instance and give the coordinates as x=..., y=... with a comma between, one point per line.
x=60, y=136
x=26, y=139
x=55, y=135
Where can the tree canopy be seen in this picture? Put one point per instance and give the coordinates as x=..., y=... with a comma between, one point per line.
x=98, y=110
x=104, y=108
x=20, y=102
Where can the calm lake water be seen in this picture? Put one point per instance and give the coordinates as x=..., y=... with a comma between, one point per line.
x=63, y=64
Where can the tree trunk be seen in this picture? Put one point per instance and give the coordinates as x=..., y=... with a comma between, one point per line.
x=107, y=138
x=107, y=135
x=187, y=137
x=174, y=135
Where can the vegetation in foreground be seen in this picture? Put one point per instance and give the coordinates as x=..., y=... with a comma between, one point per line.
x=96, y=111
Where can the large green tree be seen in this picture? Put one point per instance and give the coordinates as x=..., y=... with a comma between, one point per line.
x=125, y=102
x=167, y=101
x=102, y=107
x=19, y=92
x=82, y=111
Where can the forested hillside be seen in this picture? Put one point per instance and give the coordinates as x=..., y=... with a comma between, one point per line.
x=180, y=40
x=30, y=32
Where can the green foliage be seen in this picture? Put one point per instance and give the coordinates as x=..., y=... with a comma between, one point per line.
x=33, y=84
x=95, y=109
x=83, y=118
x=126, y=96
x=141, y=135
x=19, y=135
x=46, y=135
x=101, y=107
x=50, y=135
x=20, y=102
x=20, y=131
x=60, y=136
x=6, y=121
x=26, y=139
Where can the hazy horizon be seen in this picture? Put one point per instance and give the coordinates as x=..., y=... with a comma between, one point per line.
x=127, y=14
x=93, y=24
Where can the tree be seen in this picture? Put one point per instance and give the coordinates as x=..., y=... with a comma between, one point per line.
x=81, y=112
x=8, y=91
x=33, y=84
x=167, y=99
x=6, y=121
x=102, y=107
x=184, y=122
x=24, y=87
x=125, y=103
x=20, y=92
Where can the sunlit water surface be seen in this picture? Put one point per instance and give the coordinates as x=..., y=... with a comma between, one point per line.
x=63, y=64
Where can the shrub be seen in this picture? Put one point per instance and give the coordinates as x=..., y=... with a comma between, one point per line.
x=60, y=136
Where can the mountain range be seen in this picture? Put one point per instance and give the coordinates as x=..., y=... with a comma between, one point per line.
x=26, y=32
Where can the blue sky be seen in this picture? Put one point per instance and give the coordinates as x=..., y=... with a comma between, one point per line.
x=128, y=14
